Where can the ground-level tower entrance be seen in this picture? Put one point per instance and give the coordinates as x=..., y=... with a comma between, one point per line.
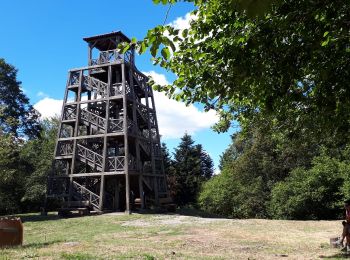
x=108, y=152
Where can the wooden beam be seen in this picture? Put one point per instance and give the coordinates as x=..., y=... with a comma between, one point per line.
x=126, y=148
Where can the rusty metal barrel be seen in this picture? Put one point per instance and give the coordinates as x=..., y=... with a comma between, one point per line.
x=11, y=232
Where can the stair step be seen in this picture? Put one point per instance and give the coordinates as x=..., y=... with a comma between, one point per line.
x=84, y=203
x=69, y=211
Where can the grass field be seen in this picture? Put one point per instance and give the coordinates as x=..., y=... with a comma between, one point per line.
x=152, y=236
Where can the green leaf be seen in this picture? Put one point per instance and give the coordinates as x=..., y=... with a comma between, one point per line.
x=125, y=48
x=325, y=34
x=142, y=47
x=133, y=40
x=165, y=53
x=324, y=43
x=185, y=33
x=172, y=46
x=156, y=1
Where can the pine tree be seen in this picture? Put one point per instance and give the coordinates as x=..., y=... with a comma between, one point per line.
x=17, y=116
x=166, y=158
x=207, y=165
x=192, y=166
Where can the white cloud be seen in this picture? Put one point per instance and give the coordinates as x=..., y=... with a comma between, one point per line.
x=49, y=107
x=182, y=23
x=157, y=77
x=175, y=118
x=41, y=94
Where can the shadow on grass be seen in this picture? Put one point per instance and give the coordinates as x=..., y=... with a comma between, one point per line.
x=35, y=245
x=41, y=244
x=34, y=217
x=186, y=211
x=38, y=217
x=336, y=256
x=193, y=212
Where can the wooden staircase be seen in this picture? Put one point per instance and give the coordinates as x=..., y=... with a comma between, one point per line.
x=83, y=201
x=89, y=157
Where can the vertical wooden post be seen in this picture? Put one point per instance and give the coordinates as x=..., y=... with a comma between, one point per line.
x=76, y=128
x=90, y=54
x=137, y=141
x=105, y=141
x=126, y=145
x=62, y=112
x=160, y=144
x=116, y=195
x=155, y=180
x=142, y=197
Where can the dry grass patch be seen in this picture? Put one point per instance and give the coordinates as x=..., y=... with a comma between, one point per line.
x=150, y=236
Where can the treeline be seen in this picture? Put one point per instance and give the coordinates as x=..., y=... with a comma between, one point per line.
x=24, y=165
x=269, y=174
x=26, y=147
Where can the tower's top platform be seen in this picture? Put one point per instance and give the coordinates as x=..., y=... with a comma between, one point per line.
x=107, y=41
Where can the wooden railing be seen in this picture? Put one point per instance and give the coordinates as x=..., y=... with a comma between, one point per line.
x=146, y=134
x=115, y=125
x=95, y=159
x=106, y=57
x=74, y=79
x=92, y=118
x=64, y=148
x=83, y=193
x=115, y=163
x=117, y=89
x=141, y=80
x=69, y=112
x=95, y=85
x=111, y=56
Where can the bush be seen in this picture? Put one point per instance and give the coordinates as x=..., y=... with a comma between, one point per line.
x=227, y=195
x=315, y=193
x=217, y=195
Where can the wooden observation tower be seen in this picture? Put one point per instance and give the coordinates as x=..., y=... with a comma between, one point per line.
x=108, y=152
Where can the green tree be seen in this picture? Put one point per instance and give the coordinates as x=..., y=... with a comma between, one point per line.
x=169, y=170
x=12, y=175
x=310, y=194
x=38, y=155
x=291, y=63
x=230, y=154
x=206, y=163
x=17, y=116
x=192, y=166
x=24, y=166
x=251, y=166
x=167, y=161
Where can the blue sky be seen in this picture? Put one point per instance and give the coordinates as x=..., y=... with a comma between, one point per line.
x=43, y=39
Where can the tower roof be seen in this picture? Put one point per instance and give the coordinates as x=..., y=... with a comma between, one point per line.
x=107, y=41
